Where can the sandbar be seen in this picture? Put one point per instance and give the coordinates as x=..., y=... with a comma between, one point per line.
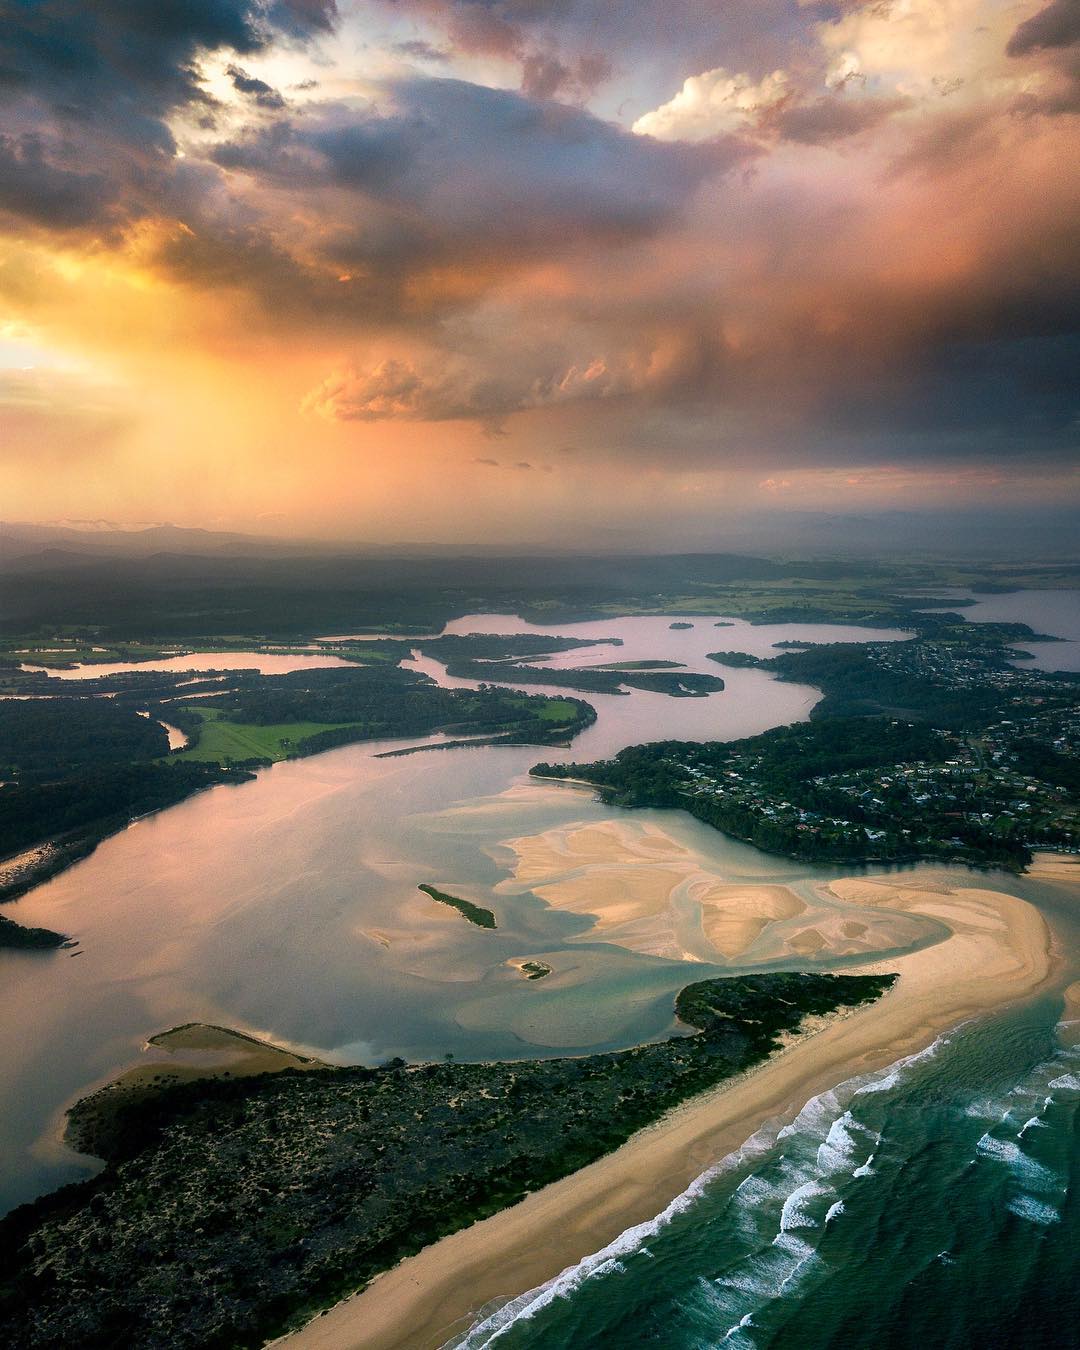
x=998, y=951
x=645, y=891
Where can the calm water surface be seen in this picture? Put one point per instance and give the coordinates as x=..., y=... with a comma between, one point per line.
x=1056, y=613
x=887, y=1215
x=266, y=663
x=288, y=906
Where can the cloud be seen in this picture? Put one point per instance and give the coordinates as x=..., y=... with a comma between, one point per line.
x=1058, y=25
x=265, y=95
x=831, y=118
x=58, y=197
x=471, y=157
x=643, y=44
x=710, y=104
x=99, y=85
x=445, y=390
x=841, y=231
x=436, y=192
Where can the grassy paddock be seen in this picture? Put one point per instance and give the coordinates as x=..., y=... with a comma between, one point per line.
x=220, y=740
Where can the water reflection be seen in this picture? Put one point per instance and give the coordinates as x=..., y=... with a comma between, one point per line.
x=288, y=906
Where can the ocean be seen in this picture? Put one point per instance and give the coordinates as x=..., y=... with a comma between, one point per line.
x=935, y=1203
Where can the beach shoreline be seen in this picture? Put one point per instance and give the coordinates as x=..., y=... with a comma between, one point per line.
x=999, y=952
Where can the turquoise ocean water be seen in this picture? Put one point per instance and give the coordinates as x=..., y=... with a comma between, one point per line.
x=935, y=1203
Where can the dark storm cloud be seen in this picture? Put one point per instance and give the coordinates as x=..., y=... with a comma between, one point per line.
x=1058, y=25
x=442, y=176
x=59, y=198
x=831, y=118
x=488, y=160
x=261, y=93
x=1054, y=35
x=96, y=84
x=1021, y=392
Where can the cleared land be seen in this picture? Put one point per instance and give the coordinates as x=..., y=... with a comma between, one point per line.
x=221, y=741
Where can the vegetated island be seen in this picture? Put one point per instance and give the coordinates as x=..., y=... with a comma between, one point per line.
x=737, y=660
x=230, y=1211
x=534, y=970
x=638, y=665
x=592, y=679
x=483, y=918
x=680, y=625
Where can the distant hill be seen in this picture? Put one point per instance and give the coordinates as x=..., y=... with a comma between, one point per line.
x=102, y=538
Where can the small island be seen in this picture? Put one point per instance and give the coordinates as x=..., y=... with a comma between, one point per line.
x=737, y=660
x=680, y=625
x=483, y=918
x=534, y=970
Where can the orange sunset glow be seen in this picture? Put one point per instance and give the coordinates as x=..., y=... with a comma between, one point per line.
x=495, y=269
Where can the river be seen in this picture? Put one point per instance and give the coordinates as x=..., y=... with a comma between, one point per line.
x=288, y=907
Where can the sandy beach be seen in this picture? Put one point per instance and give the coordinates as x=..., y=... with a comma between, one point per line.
x=999, y=951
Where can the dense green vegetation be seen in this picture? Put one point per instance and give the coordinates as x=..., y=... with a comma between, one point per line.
x=483, y=918
x=535, y=970
x=378, y=702
x=737, y=660
x=593, y=679
x=56, y=736
x=229, y=1210
x=842, y=788
x=637, y=665
x=219, y=741
x=953, y=674
x=18, y=936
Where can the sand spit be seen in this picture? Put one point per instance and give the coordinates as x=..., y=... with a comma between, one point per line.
x=180, y=1055
x=1056, y=867
x=998, y=952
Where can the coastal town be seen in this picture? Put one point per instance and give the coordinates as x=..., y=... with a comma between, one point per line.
x=941, y=747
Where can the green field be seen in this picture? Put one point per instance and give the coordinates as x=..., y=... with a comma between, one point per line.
x=558, y=710
x=221, y=741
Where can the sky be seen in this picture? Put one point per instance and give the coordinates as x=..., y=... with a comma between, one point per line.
x=536, y=270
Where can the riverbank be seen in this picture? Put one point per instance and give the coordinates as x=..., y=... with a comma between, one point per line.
x=999, y=951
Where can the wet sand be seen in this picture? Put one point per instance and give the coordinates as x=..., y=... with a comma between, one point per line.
x=999, y=951
x=645, y=891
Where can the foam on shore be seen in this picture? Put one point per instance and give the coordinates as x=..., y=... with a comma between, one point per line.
x=998, y=952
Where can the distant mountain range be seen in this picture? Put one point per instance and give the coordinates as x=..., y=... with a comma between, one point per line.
x=1031, y=537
